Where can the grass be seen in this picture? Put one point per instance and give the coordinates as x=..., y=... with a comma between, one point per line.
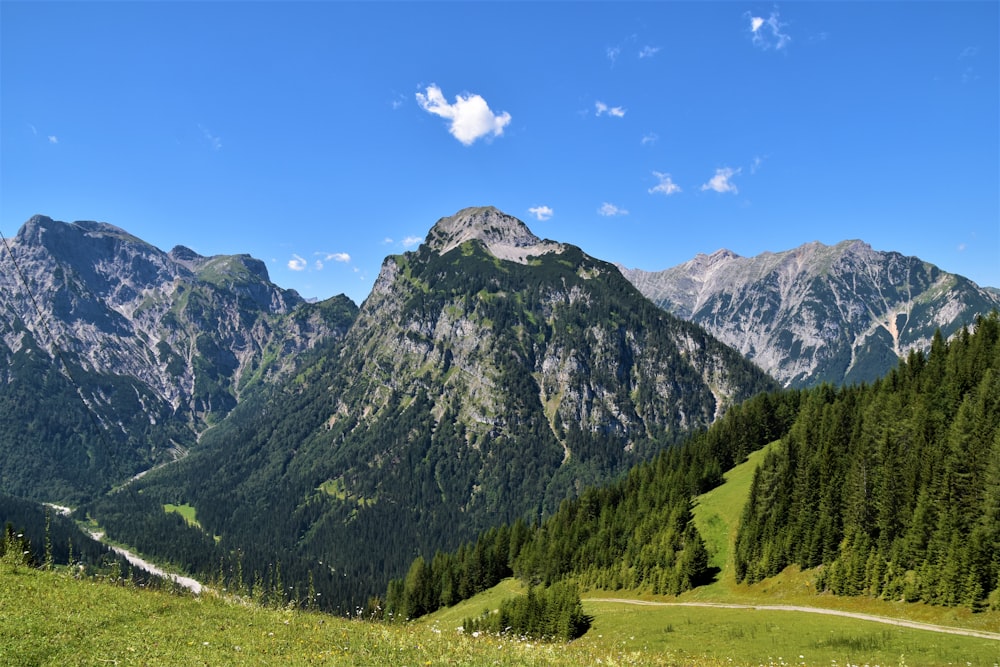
x=717, y=514
x=187, y=511
x=53, y=619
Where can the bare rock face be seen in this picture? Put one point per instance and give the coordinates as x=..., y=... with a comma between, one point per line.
x=504, y=236
x=818, y=313
x=187, y=332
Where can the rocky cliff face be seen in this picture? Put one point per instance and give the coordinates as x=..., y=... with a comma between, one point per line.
x=187, y=332
x=818, y=313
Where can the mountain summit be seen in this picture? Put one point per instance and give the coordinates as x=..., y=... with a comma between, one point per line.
x=504, y=236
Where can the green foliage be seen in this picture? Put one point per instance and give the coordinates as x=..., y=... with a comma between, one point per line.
x=548, y=613
x=636, y=533
x=894, y=487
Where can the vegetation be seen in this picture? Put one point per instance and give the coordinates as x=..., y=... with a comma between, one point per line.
x=893, y=488
x=634, y=534
x=550, y=613
x=52, y=618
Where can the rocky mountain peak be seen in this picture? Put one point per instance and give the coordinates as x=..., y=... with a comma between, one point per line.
x=504, y=236
x=184, y=255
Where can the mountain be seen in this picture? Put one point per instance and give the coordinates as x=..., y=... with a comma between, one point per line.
x=117, y=354
x=817, y=313
x=489, y=375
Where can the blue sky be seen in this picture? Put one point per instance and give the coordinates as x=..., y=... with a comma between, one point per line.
x=321, y=137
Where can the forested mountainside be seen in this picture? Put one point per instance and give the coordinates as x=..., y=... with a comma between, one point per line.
x=890, y=489
x=489, y=375
x=115, y=355
x=894, y=487
x=636, y=533
x=839, y=314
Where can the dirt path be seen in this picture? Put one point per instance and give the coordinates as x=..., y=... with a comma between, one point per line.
x=917, y=625
x=186, y=582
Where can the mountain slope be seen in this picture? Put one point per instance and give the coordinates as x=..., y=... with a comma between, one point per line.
x=118, y=354
x=817, y=313
x=487, y=376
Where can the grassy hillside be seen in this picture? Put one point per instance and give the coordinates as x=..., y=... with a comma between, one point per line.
x=54, y=619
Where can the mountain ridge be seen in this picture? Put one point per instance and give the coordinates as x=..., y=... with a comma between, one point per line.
x=156, y=345
x=818, y=313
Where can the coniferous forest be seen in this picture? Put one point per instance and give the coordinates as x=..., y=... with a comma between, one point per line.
x=892, y=488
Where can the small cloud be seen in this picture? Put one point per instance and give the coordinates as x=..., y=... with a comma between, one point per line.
x=767, y=33
x=34, y=130
x=297, y=263
x=968, y=75
x=397, y=101
x=650, y=139
x=470, y=115
x=961, y=247
x=411, y=241
x=648, y=51
x=755, y=165
x=968, y=52
x=542, y=213
x=214, y=141
x=609, y=210
x=334, y=256
x=666, y=186
x=318, y=264
x=613, y=52
x=387, y=240
x=601, y=108
x=53, y=139
x=721, y=181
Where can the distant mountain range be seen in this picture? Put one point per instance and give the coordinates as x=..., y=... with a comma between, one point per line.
x=839, y=314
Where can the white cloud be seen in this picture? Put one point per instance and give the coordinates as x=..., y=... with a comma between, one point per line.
x=297, y=263
x=755, y=165
x=542, y=213
x=968, y=52
x=961, y=247
x=613, y=52
x=666, y=186
x=470, y=116
x=601, y=108
x=609, y=210
x=387, y=240
x=720, y=182
x=411, y=241
x=214, y=141
x=648, y=51
x=337, y=257
x=767, y=32
x=53, y=139
x=650, y=139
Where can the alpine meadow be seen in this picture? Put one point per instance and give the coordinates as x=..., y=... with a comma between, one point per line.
x=577, y=333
